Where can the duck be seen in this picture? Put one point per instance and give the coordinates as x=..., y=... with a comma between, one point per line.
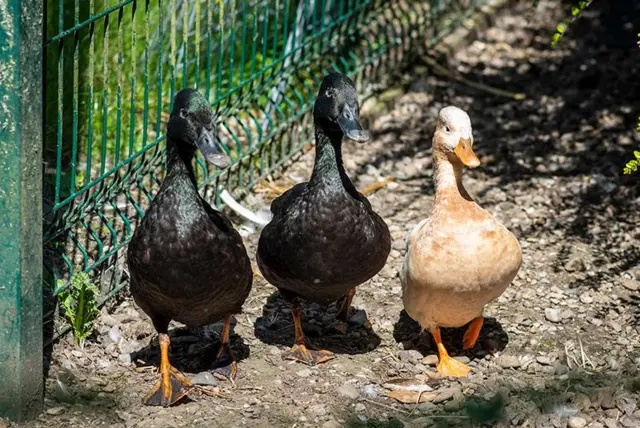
x=186, y=261
x=460, y=258
x=324, y=238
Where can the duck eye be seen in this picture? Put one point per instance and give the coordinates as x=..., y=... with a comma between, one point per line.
x=183, y=113
x=446, y=128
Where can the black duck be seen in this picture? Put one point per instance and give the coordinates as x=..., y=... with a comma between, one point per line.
x=186, y=261
x=324, y=238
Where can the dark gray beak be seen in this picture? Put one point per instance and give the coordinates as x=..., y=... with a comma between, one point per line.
x=209, y=145
x=349, y=122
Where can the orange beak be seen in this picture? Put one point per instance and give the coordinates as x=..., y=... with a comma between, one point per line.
x=465, y=153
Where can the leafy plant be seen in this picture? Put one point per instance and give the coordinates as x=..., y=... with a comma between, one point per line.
x=575, y=13
x=633, y=165
x=80, y=305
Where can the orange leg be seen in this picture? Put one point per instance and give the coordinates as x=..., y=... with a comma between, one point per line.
x=225, y=363
x=301, y=351
x=447, y=365
x=344, y=313
x=473, y=332
x=172, y=386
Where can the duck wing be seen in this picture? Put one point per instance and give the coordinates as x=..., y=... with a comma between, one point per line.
x=284, y=200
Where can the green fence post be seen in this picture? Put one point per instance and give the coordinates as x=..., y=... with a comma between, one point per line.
x=21, y=378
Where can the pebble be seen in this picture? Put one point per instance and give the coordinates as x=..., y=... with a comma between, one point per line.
x=348, y=391
x=331, y=424
x=369, y=391
x=575, y=264
x=318, y=409
x=125, y=358
x=4, y=424
x=430, y=360
x=577, y=422
x=544, y=360
x=446, y=394
x=552, y=315
x=411, y=356
x=508, y=361
x=358, y=318
x=204, y=378
x=631, y=284
x=304, y=373
x=360, y=407
x=55, y=411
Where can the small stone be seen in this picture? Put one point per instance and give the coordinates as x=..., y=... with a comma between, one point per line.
x=204, y=378
x=4, y=423
x=109, y=388
x=318, y=409
x=577, y=422
x=348, y=391
x=53, y=411
x=629, y=422
x=586, y=298
x=411, y=356
x=114, y=334
x=544, y=360
x=304, y=373
x=631, y=284
x=552, y=315
x=508, y=361
x=445, y=394
x=125, y=358
x=427, y=407
x=430, y=360
x=369, y=391
x=360, y=407
x=331, y=424
x=575, y=264
x=463, y=359
x=359, y=318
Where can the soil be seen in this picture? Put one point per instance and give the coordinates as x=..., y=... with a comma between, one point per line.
x=561, y=347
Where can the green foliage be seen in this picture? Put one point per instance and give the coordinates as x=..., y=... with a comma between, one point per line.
x=633, y=165
x=576, y=11
x=80, y=305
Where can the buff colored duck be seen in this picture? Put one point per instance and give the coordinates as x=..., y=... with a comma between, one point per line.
x=460, y=258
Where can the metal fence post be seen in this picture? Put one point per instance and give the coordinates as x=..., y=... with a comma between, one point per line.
x=21, y=373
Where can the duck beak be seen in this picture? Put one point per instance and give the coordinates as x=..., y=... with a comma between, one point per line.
x=465, y=153
x=350, y=125
x=209, y=145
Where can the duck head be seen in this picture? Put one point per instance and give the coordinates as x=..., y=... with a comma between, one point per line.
x=336, y=109
x=454, y=137
x=191, y=126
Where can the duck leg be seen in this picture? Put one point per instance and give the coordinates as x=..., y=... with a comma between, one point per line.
x=345, y=305
x=473, y=332
x=172, y=386
x=447, y=365
x=301, y=351
x=225, y=363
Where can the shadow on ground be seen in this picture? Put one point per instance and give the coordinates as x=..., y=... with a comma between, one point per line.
x=190, y=352
x=275, y=327
x=492, y=338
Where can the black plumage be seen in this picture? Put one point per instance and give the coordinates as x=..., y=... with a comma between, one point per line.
x=187, y=262
x=324, y=238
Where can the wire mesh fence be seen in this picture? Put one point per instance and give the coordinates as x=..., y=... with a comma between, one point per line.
x=111, y=69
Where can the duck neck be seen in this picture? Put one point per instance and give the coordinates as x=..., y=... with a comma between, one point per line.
x=328, y=166
x=179, y=163
x=448, y=176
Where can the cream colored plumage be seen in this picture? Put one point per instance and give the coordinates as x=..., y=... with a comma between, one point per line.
x=460, y=258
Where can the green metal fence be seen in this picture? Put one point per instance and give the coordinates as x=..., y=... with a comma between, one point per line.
x=110, y=71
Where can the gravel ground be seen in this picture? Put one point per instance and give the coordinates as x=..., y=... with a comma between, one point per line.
x=560, y=348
